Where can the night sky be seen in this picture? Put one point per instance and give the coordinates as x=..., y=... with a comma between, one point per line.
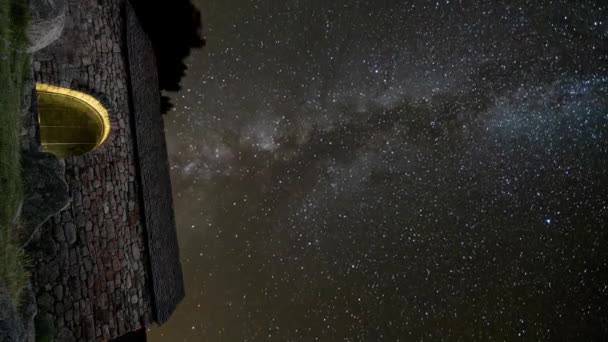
x=393, y=171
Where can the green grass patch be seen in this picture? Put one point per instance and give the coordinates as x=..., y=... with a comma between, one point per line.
x=45, y=330
x=14, y=62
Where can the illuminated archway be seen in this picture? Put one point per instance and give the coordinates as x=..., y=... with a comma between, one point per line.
x=71, y=123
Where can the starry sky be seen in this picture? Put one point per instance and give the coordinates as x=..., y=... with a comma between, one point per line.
x=393, y=171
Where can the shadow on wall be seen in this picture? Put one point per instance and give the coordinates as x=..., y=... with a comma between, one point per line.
x=174, y=27
x=134, y=336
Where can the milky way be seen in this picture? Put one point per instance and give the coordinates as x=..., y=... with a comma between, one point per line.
x=393, y=171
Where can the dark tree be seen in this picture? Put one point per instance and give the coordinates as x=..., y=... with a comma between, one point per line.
x=174, y=27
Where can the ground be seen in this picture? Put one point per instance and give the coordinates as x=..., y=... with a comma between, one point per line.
x=13, y=65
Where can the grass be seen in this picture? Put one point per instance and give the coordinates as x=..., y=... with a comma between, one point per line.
x=44, y=329
x=14, y=62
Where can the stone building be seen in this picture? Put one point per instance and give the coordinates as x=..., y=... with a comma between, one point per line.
x=108, y=264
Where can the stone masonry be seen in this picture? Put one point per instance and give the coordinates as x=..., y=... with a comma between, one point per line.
x=90, y=262
x=166, y=278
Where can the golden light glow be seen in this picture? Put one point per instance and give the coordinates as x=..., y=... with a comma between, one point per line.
x=88, y=100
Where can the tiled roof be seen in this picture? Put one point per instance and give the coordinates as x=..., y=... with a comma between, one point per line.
x=166, y=274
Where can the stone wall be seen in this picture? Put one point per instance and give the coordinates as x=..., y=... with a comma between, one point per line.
x=90, y=261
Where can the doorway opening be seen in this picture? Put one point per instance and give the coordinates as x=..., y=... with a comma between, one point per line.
x=72, y=123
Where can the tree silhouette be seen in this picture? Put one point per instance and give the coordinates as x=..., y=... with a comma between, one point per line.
x=174, y=27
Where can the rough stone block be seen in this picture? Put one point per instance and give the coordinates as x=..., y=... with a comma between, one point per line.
x=58, y=233
x=45, y=301
x=136, y=252
x=58, y=292
x=70, y=232
x=59, y=309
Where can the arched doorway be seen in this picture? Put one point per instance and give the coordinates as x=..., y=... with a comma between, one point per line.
x=72, y=123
